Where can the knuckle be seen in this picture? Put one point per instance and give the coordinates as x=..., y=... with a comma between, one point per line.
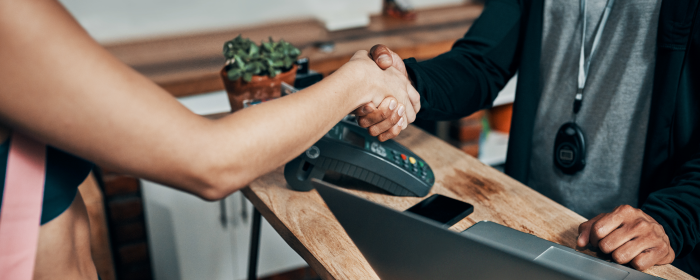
x=598, y=230
x=640, y=225
x=605, y=246
x=620, y=257
x=364, y=122
x=624, y=209
x=385, y=113
x=386, y=136
x=394, y=118
x=638, y=264
x=374, y=131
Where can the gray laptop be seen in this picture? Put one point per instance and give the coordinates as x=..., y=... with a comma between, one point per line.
x=400, y=245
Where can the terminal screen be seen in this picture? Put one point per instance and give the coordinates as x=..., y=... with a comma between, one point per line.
x=354, y=138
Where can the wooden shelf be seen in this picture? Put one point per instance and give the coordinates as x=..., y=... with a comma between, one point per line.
x=189, y=64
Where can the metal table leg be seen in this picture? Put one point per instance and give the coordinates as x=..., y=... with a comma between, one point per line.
x=254, y=246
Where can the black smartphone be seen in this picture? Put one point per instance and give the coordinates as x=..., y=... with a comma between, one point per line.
x=445, y=210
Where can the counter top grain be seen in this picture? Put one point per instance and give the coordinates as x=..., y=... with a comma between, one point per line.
x=308, y=226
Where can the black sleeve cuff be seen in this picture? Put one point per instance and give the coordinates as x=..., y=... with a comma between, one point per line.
x=415, y=75
x=673, y=238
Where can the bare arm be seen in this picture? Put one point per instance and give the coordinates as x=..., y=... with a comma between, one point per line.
x=60, y=86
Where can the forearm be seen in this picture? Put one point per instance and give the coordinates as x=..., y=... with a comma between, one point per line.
x=470, y=75
x=61, y=87
x=259, y=139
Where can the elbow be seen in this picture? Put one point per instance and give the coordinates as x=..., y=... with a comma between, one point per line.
x=216, y=186
x=212, y=194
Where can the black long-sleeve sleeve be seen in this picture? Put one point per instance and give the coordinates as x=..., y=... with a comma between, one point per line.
x=677, y=207
x=672, y=157
x=470, y=75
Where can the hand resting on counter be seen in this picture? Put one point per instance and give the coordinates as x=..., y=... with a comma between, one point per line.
x=630, y=235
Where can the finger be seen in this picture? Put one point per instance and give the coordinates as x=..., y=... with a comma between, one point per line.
x=410, y=114
x=604, y=226
x=364, y=110
x=618, y=238
x=412, y=108
x=378, y=115
x=584, y=231
x=631, y=249
x=414, y=97
x=646, y=259
x=382, y=56
x=404, y=124
x=393, y=132
x=657, y=255
x=390, y=121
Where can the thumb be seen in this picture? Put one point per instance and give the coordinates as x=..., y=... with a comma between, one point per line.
x=382, y=56
x=584, y=234
x=584, y=231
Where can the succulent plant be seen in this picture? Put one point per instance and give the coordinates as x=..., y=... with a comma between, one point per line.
x=244, y=58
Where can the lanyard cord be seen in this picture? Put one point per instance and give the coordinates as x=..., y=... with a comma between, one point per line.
x=585, y=64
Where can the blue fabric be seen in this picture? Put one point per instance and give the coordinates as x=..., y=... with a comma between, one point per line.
x=64, y=173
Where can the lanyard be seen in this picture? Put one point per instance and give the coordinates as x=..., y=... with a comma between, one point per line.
x=585, y=64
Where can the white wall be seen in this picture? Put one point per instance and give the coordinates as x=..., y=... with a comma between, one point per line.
x=119, y=20
x=187, y=239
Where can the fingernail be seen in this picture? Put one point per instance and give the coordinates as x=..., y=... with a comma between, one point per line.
x=400, y=123
x=401, y=110
x=392, y=105
x=383, y=58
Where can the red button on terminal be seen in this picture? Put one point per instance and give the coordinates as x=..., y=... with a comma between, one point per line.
x=403, y=156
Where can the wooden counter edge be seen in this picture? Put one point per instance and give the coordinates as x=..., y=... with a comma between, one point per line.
x=287, y=235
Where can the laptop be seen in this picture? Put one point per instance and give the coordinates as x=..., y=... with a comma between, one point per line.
x=402, y=245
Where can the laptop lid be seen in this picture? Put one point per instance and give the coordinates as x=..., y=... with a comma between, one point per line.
x=405, y=246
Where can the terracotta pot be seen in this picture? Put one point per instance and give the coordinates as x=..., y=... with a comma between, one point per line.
x=260, y=87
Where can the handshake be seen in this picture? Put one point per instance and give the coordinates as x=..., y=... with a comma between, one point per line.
x=394, y=101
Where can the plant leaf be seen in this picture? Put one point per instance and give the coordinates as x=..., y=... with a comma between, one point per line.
x=233, y=75
x=247, y=76
x=239, y=62
x=253, y=50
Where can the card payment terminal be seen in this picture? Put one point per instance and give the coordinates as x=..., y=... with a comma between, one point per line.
x=350, y=150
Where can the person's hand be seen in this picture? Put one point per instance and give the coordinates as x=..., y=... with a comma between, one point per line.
x=630, y=235
x=379, y=120
x=390, y=89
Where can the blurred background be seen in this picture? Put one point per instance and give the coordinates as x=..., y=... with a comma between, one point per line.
x=142, y=230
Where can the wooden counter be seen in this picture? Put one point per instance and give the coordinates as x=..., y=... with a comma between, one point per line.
x=308, y=226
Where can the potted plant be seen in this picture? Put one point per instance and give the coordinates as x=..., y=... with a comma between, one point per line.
x=257, y=71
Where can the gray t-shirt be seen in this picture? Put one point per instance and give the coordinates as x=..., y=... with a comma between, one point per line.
x=616, y=101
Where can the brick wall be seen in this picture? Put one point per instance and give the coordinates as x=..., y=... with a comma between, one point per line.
x=127, y=227
x=465, y=133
